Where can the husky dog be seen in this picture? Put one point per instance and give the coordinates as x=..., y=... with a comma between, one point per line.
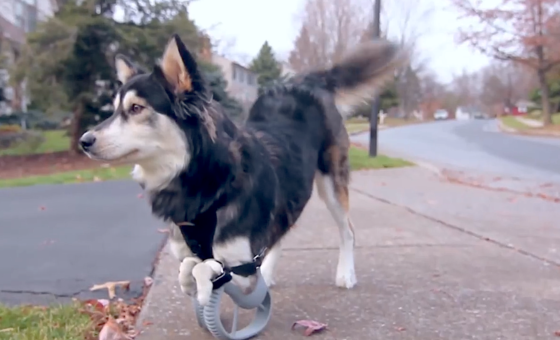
x=236, y=191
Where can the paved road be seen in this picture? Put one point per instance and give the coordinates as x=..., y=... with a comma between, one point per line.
x=474, y=145
x=57, y=241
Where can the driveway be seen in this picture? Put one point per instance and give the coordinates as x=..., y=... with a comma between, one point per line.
x=474, y=145
x=56, y=241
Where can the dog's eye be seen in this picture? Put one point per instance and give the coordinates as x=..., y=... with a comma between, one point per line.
x=135, y=108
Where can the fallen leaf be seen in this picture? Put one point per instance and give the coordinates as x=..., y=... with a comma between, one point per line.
x=111, y=287
x=42, y=208
x=112, y=331
x=400, y=329
x=310, y=326
x=6, y=330
x=95, y=304
x=96, y=179
x=148, y=281
x=140, y=196
x=147, y=323
x=557, y=333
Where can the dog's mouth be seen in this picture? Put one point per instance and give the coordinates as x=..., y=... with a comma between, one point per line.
x=121, y=159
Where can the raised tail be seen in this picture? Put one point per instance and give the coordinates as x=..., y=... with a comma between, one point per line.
x=356, y=79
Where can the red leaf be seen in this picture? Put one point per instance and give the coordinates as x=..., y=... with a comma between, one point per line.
x=557, y=333
x=310, y=326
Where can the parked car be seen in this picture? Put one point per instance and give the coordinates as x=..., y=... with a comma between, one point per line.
x=441, y=114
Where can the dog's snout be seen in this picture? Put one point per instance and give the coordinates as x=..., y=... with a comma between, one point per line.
x=87, y=140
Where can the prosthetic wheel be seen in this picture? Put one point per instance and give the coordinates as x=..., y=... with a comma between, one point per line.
x=209, y=316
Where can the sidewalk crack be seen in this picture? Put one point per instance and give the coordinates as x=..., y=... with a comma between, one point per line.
x=459, y=229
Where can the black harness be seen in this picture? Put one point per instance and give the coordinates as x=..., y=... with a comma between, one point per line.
x=199, y=240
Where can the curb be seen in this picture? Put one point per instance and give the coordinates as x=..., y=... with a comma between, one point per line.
x=503, y=128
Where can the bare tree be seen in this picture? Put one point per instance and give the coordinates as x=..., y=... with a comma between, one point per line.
x=329, y=28
x=522, y=31
x=407, y=22
x=504, y=83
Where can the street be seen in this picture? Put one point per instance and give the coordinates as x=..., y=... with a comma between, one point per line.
x=56, y=241
x=473, y=145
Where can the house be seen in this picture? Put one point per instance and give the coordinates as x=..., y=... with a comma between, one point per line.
x=17, y=18
x=520, y=108
x=242, y=82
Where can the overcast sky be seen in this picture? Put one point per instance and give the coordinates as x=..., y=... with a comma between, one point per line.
x=244, y=25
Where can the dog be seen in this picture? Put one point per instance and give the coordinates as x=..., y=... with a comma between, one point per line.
x=231, y=193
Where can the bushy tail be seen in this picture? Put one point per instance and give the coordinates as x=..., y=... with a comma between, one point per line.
x=357, y=78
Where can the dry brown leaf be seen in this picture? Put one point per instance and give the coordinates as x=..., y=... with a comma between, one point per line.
x=112, y=331
x=5, y=330
x=96, y=179
x=310, y=326
x=111, y=287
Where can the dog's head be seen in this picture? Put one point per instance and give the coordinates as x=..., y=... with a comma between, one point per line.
x=152, y=112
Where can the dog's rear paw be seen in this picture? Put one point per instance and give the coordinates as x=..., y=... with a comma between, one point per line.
x=186, y=278
x=346, y=279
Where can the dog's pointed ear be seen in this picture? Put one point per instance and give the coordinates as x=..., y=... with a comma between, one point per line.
x=125, y=68
x=179, y=67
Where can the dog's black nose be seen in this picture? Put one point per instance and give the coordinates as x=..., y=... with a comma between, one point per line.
x=87, y=140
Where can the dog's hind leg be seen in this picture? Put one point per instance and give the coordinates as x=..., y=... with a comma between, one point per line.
x=269, y=263
x=334, y=192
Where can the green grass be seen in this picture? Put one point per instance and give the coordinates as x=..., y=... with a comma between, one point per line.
x=60, y=322
x=513, y=123
x=78, y=176
x=55, y=140
x=354, y=127
x=360, y=160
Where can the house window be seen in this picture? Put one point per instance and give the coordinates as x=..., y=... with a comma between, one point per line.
x=26, y=14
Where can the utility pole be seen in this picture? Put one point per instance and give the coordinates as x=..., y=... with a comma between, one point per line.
x=374, y=117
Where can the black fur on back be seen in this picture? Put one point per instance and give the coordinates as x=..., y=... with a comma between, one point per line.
x=254, y=180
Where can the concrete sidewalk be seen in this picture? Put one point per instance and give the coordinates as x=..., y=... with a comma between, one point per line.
x=433, y=261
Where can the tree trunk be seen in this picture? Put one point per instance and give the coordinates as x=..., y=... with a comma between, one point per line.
x=75, y=131
x=545, y=98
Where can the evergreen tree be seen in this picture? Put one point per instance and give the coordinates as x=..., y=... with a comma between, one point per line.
x=266, y=66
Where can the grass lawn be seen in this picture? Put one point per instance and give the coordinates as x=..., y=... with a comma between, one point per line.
x=360, y=160
x=64, y=322
x=55, y=140
x=513, y=123
x=355, y=127
x=89, y=175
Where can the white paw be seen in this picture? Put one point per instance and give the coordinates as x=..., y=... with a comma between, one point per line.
x=203, y=273
x=186, y=278
x=346, y=278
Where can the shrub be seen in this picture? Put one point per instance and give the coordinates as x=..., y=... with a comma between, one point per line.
x=25, y=141
x=12, y=128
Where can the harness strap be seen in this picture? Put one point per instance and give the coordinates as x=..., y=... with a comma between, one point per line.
x=244, y=269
